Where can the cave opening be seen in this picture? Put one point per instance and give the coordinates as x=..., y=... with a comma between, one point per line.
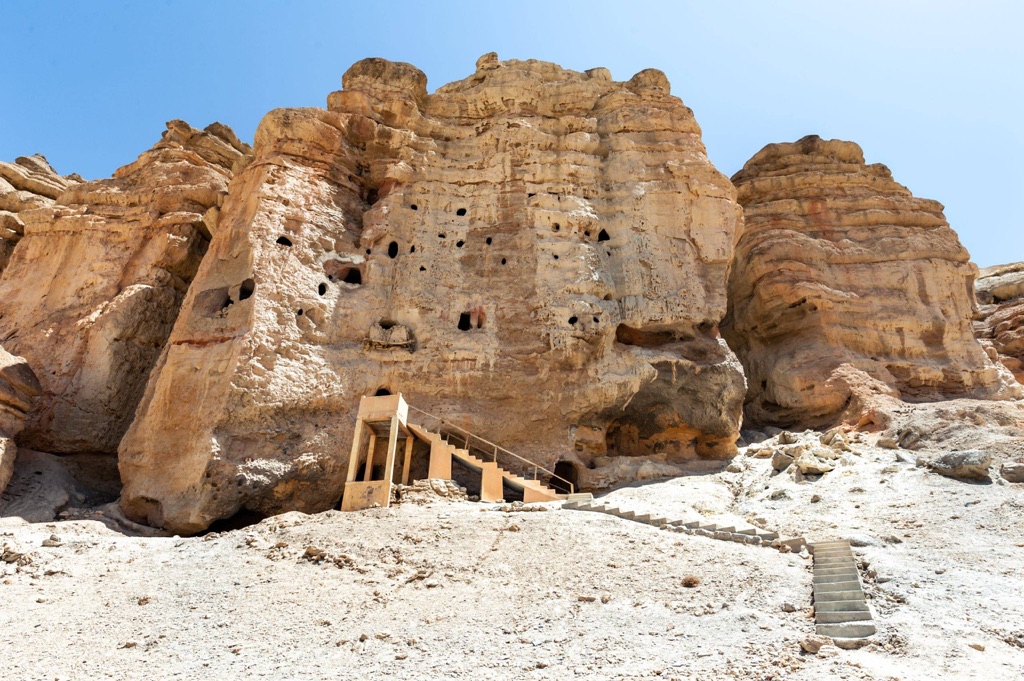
x=464, y=322
x=381, y=392
x=570, y=473
x=460, y=212
x=352, y=276
x=393, y=250
x=603, y=236
x=284, y=241
x=322, y=288
x=246, y=289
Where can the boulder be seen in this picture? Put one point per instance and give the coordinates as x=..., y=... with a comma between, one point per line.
x=781, y=461
x=966, y=465
x=93, y=287
x=847, y=289
x=1012, y=472
x=536, y=254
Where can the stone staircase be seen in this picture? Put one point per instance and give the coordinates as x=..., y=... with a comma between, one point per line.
x=840, y=608
x=725, y=531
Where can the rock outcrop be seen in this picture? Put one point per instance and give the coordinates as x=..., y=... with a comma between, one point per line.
x=536, y=254
x=845, y=286
x=1000, y=324
x=19, y=390
x=94, y=285
x=26, y=184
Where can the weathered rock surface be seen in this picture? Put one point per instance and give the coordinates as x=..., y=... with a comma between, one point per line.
x=1000, y=323
x=967, y=465
x=846, y=287
x=1012, y=471
x=534, y=253
x=26, y=184
x=93, y=287
x=19, y=390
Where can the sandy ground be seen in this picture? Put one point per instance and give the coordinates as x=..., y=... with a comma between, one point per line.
x=433, y=589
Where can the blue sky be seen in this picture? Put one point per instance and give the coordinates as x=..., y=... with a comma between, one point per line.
x=935, y=90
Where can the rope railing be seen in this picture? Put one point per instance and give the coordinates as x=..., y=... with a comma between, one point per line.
x=489, y=448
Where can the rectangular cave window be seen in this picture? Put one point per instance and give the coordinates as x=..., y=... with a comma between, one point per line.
x=464, y=322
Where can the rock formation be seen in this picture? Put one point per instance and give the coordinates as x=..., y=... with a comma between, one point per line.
x=19, y=390
x=93, y=287
x=1000, y=324
x=26, y=184
x=537, y=254
x=846, y=286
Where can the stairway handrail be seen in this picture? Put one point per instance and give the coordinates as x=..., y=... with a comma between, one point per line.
x=497, y=447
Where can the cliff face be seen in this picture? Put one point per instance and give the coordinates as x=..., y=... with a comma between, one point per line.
x=537, y=254
x=846, y=286
x=89, y=295
x=19, y=389
x=26, y=184
x=1000, y=324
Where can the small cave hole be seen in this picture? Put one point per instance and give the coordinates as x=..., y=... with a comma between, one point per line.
x=372, y=195
x=381, y=392
x=531, y=195
x=488, y=241
x=422, y=268
x=556, y=256
x=412, y=249
x=603, y=236
x=587, y=233
x=299, y=312
x=414, y=207
x=503, y=261
x=353, y=276
x=442, y=236
x=239, y=521
x=464, y=322
x=284, y=241
x=573, y=319
x=460, y=243
x=557, y=227
x=393, y=250
x=386, y=324
x=246, y=289
x=460, y=212
x=322, y=288
x=369, y=251
x=596, y=320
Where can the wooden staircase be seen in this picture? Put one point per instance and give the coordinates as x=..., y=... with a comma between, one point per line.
x=387, y=416
x=493, y=477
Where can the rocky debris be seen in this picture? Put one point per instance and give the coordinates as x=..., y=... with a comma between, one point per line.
x=26, y=184
x=966, y=465
x=809, y=452
x=1012, y=472
x=999, y=324
x=428, y=490
x=93, y=288
x=813, y=644
x=834, y=294
x=45, y=487
x=551, y=246
x=19, y=391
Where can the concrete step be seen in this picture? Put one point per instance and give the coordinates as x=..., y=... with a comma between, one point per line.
x=848, y=595
x=580, y=496
x=829, y=545
x=845, y=576
x=849, y=630
x=840, y=616
x=840, y=606
x=833, y=562
x=829, y=587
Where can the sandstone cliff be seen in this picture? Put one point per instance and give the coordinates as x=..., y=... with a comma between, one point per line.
x=846, y=286
x=26, y=184
x=19, y=390
x=535, y=253
x=1000, y=324
x=93, y=287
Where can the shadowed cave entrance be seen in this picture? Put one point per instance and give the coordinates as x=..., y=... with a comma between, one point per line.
x=567, y=471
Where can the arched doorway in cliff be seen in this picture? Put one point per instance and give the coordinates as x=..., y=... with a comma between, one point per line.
x=566, y=471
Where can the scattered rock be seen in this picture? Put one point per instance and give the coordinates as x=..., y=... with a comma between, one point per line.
x=966, y=465
x=976, y=646
x=781, y=461
x=813, y=644
x=1012, y=472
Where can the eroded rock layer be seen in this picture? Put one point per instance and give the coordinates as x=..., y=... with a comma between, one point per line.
x=1000, y=324
x=535, y=253
x=846, y=286
x=19, y=390
x=26, y=184
x=93, y=287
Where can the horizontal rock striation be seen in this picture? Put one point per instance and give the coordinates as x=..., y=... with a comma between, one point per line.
x=26, y=184
x=1000, y=323
x=93, y=287
x=537, y=254
x=846, y=286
